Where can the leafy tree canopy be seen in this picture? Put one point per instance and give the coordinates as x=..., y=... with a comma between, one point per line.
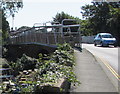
x=102, y=17
x=23, y=28
x=61, y=16
x=8, y=8
x=86, y=28
x=11, y=7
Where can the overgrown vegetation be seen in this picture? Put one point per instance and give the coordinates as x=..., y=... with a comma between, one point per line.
x=24, y=63
x=46, y=71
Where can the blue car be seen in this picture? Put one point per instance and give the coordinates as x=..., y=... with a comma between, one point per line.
x=105, y=39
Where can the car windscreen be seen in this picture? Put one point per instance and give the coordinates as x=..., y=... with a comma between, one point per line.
x=107, y=36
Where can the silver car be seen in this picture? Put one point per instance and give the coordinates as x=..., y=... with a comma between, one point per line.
x=105, y=39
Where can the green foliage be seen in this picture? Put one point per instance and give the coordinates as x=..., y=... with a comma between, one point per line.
x=22, y=28
x=26, y=62
x=60, y=16
x=10, y=8
x=86, y=28
x=49, y=69
x=23, y=63
x=51, y=72
x=59, y=65
x=101, y=17
x=5, y=24
x=114, y=23
x=27, y=89
x=97, y=14
x=65, y=47
x=64, y=55
x=5, y=29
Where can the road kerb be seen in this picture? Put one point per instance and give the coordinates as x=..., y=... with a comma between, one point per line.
x=110, y=68
x=110, y=72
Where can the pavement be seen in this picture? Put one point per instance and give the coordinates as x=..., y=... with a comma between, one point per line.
x=90, y=74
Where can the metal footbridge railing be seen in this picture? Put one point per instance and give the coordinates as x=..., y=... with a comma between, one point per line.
x=49, y=34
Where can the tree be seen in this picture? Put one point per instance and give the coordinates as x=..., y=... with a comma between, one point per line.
x=60, y=16
x=97, y=15
x=22, y=28
x=11, y=7
x=5, y=28
x=86, y=28
x=8, y=9
x=103, y=17
x=114, y=23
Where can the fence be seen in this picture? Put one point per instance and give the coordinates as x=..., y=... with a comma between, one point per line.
x=88, y=39
x=51, y=35
x=50, y=38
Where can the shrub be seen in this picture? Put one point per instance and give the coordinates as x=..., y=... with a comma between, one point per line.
x=58, y=65
x=27, y=62
x=23, y=63
x=50, y=68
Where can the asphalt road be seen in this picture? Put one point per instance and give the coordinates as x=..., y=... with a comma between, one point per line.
x=108, y=54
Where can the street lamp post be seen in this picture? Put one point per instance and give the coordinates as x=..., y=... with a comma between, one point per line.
x=13, y=21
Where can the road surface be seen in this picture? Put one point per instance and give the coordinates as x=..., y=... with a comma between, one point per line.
x=108, y=54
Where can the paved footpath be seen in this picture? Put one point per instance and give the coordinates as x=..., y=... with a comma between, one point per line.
x=90, y=74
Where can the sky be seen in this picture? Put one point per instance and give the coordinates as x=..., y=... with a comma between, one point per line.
x=41, y=11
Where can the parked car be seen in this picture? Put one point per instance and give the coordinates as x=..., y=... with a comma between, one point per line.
x=105, y=39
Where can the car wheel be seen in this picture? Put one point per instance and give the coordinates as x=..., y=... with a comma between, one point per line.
x=101, y=44
x=115, y=45
x=95, y=44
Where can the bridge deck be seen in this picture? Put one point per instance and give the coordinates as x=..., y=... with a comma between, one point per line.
x=36, y=43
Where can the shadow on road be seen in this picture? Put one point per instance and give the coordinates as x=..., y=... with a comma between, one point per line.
x=78, y=48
